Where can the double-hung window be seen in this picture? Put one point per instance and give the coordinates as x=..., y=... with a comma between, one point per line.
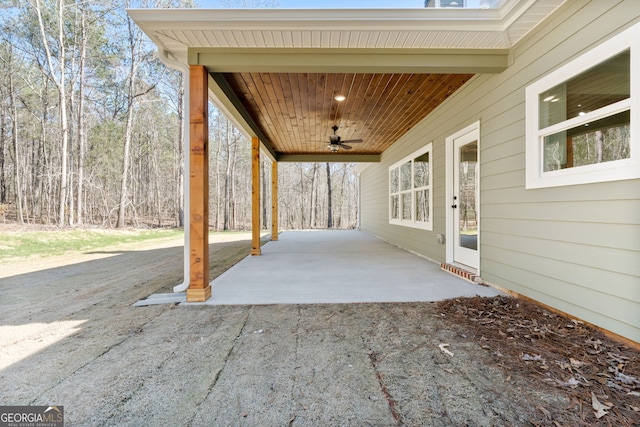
x=410, y=190
x=582, y=119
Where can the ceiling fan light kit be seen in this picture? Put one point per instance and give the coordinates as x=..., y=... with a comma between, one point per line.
x=335, y=143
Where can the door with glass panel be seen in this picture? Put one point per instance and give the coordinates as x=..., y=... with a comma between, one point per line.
x=464, y=206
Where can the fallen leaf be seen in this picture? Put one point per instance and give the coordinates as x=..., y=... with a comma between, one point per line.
x=617, y=357
x=444, y=350
x=546, y=413
x=601, y=380
x=626, y=379
x=575, y=363
x=571, y=382
x=536, y=358
x=601, y=410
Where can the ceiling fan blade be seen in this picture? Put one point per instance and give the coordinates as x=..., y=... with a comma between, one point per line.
x=346, y=147
x=352, y=141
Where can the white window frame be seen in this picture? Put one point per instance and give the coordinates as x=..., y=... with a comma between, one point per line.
x=615, y=170
x=424, y=225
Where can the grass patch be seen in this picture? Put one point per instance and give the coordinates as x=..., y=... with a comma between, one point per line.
x=58, y=242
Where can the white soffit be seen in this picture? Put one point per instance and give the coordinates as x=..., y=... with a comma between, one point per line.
x=176, y=30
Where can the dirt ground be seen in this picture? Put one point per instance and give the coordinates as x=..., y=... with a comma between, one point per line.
x=69, y=336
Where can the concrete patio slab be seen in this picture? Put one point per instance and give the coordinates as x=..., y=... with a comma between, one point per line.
x=331, y=266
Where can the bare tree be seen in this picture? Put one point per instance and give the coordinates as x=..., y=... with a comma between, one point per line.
x=137, y=51
x=58, y=77
x=67, y=106
x=16, y=152
x=81, y=136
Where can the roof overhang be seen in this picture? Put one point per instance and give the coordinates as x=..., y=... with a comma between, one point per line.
x=288, y=47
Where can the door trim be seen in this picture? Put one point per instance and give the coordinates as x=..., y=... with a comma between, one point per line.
x=449, y=158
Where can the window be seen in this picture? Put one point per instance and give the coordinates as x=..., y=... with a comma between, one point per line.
x=582, y=119
x=410, y=196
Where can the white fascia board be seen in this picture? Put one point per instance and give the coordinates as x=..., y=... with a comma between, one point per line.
x=319, y=19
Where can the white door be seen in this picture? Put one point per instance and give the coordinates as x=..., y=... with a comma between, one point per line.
x=464, y=190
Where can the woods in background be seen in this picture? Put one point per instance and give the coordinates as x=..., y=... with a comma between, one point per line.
x=91, y=131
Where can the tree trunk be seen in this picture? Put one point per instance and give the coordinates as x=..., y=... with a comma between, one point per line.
x=125, y=163
x=302, y=201
x=16, y=149
x=134, y=53
x=232, y=181
x=599, y=145
x=216, y=155
x=60, y=83
x=225, y=202
x=64, y=123
x=81, y=121
x=3, y=145
x=329, y=216
x=313, y=214
x=265, y=205
x=181, y=125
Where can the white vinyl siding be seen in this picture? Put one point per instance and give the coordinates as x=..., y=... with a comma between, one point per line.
x=575, y=248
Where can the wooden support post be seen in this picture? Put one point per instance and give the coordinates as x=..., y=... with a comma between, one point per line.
x=255, y=196
x=199, y=289
x=274, y=200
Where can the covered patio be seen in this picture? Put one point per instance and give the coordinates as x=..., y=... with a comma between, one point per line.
x=304, y=86
x=328, y=267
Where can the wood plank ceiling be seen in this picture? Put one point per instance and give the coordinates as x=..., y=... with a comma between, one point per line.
x=296, y=111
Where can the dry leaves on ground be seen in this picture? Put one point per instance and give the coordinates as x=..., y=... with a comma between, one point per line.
x=599, y=376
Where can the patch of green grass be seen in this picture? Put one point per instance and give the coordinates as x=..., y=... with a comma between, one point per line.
x=58, y=242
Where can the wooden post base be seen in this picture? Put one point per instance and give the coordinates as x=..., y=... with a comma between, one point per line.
x=256, y=251
x=199, y=295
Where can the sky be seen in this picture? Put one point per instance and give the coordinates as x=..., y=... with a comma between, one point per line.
x=331, y=4
x=336, y=4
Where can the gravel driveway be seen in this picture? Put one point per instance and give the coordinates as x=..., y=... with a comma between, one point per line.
x=69, y=336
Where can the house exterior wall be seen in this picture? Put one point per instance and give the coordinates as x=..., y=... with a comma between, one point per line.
x=575, y=248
